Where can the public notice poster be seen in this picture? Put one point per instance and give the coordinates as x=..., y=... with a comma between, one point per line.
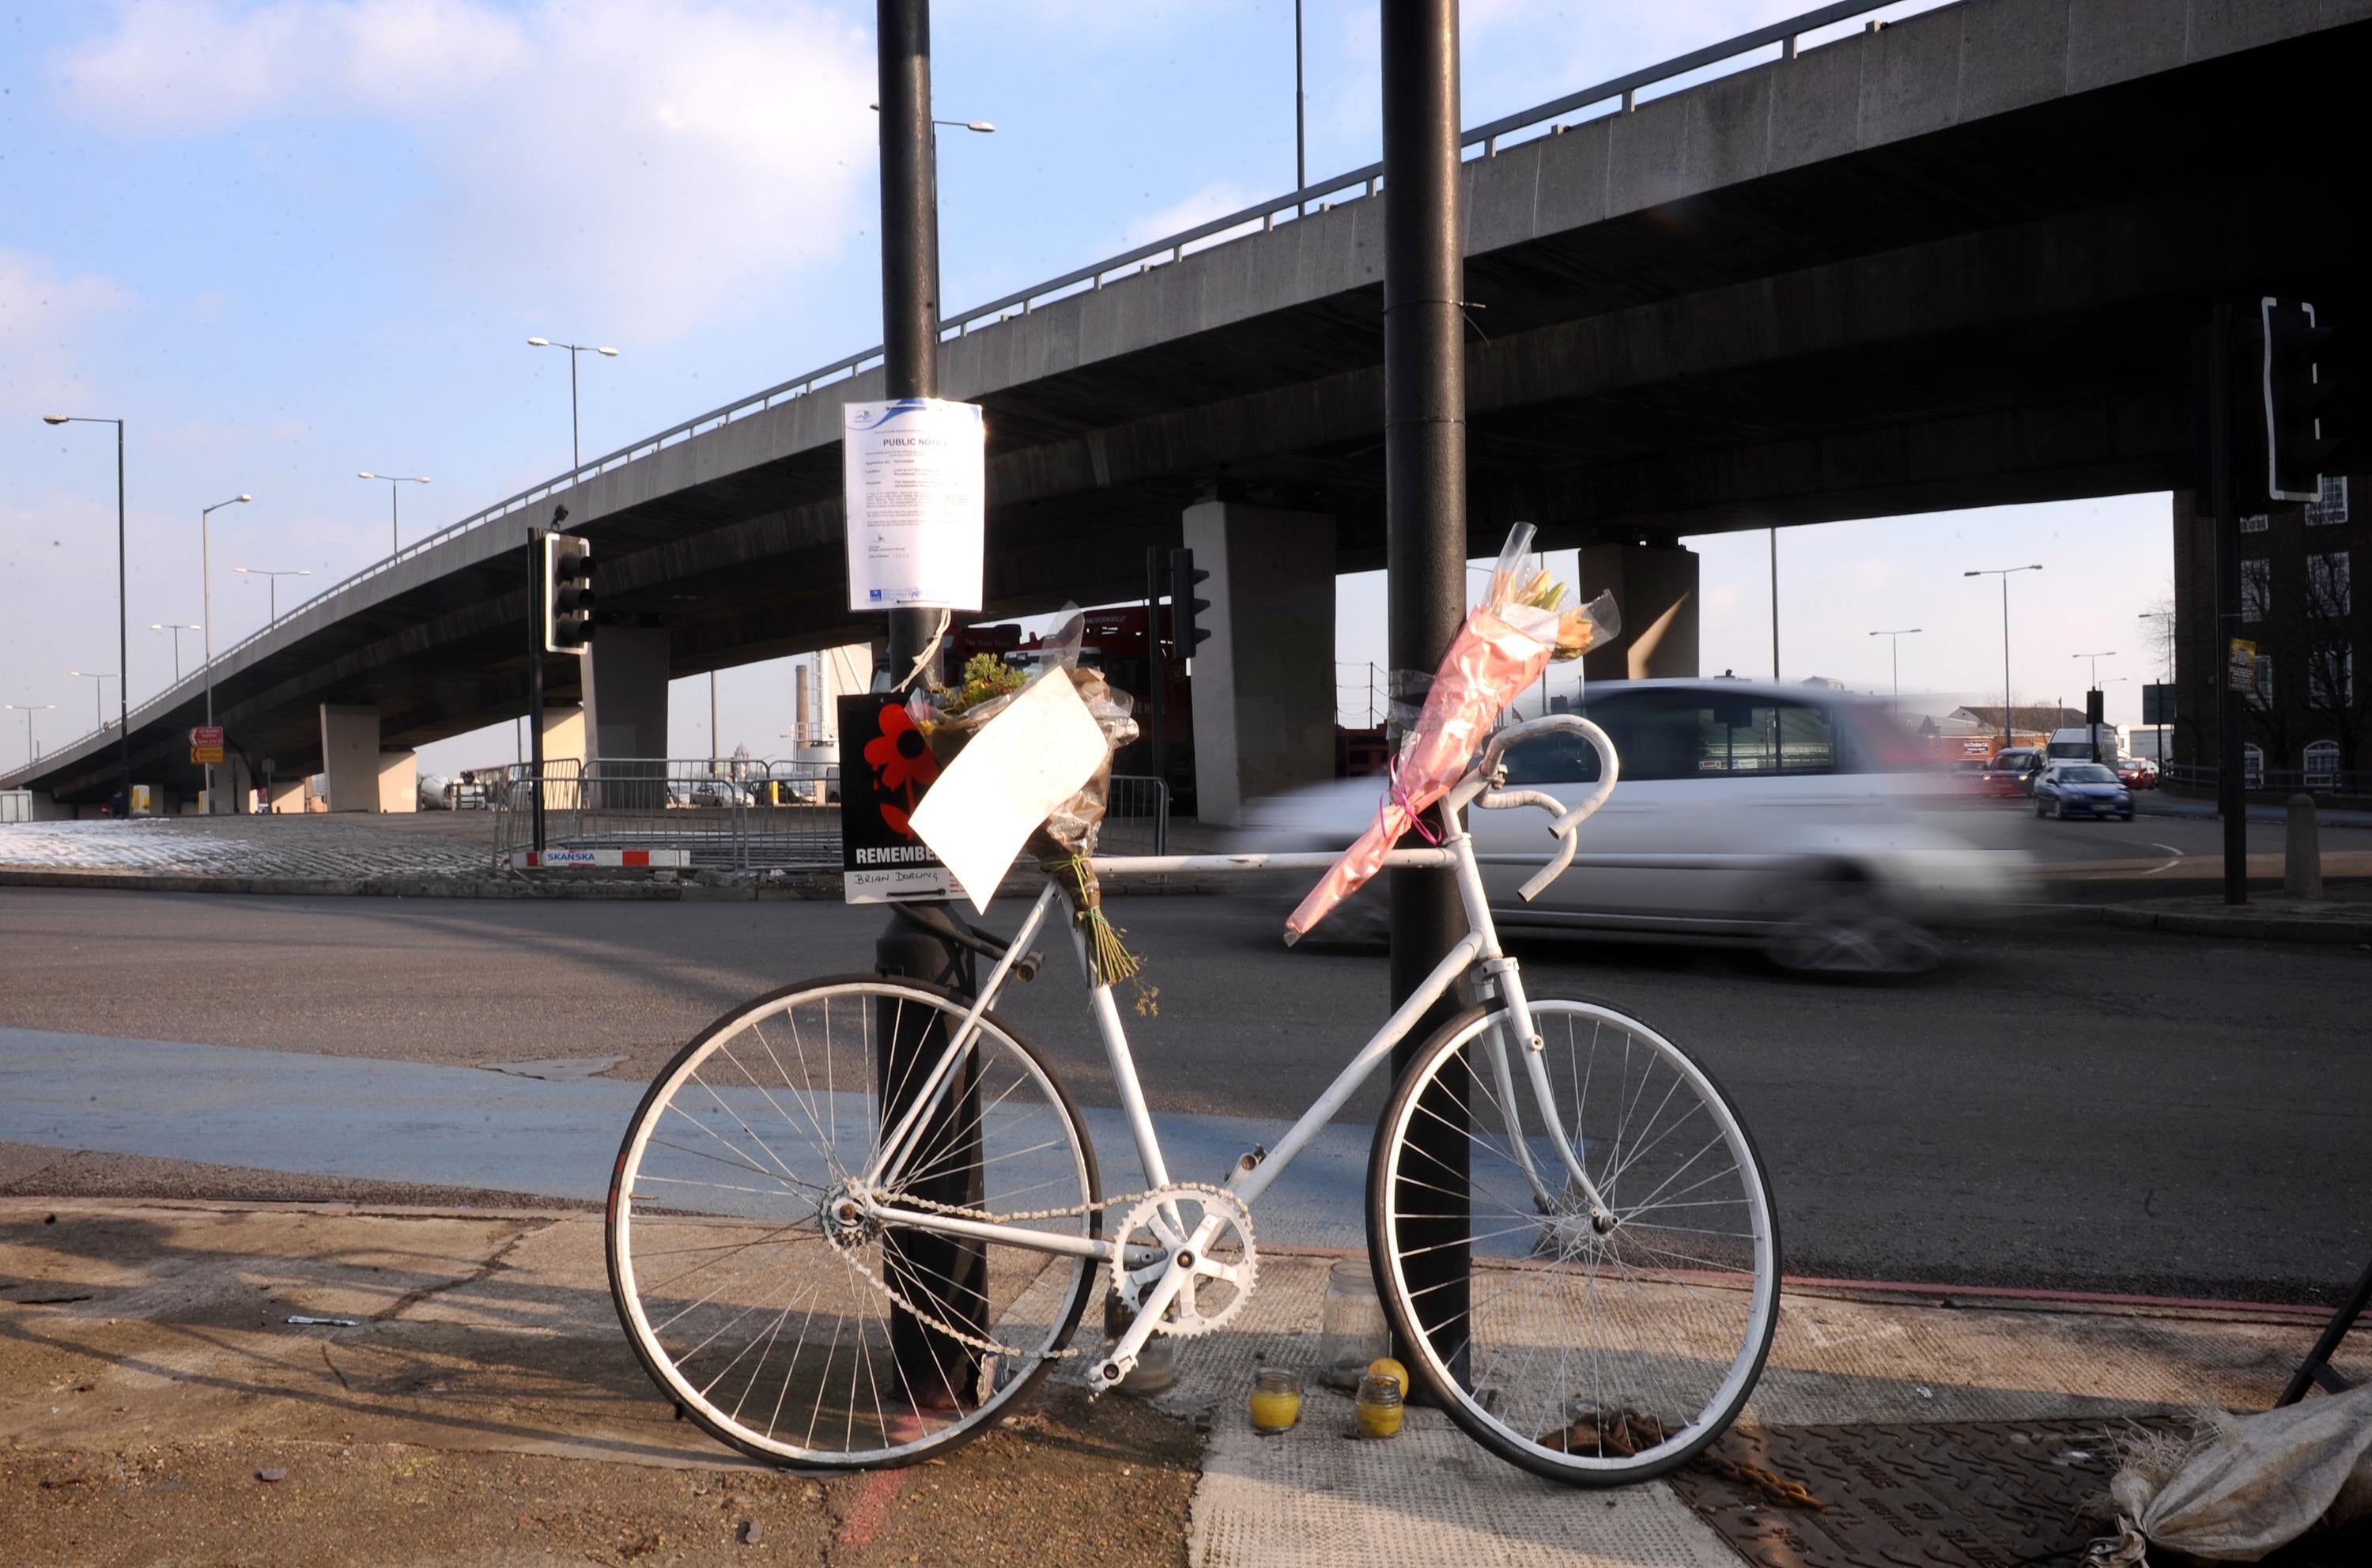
x=885, y=766
x=915, y=474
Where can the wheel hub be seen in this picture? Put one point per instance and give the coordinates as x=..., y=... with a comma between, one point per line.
x=846, y=1220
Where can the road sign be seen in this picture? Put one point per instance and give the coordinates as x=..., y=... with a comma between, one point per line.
x=207, y=735
x=2241, y=665
x=2158, y=703
x=208, y=755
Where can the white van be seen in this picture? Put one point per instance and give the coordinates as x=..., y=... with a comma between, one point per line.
x=2088, y=743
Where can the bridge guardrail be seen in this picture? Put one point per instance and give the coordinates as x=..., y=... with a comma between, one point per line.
x=1541, y=119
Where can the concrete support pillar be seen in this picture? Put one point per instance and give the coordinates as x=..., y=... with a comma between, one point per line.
x=399, y=781
x=565, y=737
x=349, y=755
x=626, y=692
x=1263, y=683
x=286, y=798
x=1655, y=588
x=232, y=782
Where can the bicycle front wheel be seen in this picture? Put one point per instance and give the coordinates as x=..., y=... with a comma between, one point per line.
x=1591, y=1346
x=752, y=1283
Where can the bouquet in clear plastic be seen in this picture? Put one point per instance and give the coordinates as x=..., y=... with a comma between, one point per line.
x=948, y=718
x=1509, y=639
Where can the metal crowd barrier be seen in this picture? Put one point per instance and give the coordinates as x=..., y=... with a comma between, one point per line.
x=1136, y=817
x=709, y=814
x=734, y=816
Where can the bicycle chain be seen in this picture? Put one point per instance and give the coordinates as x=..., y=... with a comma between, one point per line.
x=956, y=1211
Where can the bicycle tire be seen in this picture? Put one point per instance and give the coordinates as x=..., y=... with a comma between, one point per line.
x=785, y=1212
x=1670, y=1340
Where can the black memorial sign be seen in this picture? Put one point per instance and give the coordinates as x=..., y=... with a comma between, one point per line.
x=885, y=767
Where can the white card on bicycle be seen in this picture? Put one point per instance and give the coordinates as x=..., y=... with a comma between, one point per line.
x=1022, y=763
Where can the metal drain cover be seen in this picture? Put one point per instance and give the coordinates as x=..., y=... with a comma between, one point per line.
x=1963, y=1494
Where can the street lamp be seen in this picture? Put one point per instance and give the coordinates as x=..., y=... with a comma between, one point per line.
x=32, y=752
x=576, y=457
x=123, y=616
x=177, y=630
x=1896, y=645
x=206, y=601
x=2096, y=660
x=273, y=580
x=2005, y=574
x=99, y=684
x=395, y=482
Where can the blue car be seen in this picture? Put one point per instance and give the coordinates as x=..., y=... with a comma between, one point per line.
x=2082, y=789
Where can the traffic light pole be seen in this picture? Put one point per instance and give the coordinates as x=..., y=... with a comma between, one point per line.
x=535, y=603
x=1156, y=667
x=941, y=1370
x=2231, y=797
x=1424, y=525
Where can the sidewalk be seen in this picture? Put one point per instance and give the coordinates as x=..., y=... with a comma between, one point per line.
x=2342, y=915
x=485, y=1408
x=2156, y=803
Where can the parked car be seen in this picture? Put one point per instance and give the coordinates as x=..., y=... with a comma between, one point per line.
x=2136, y=772
x=2082, y=789
x=1748, y=813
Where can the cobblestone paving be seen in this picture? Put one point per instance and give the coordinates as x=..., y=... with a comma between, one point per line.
x=311, y=846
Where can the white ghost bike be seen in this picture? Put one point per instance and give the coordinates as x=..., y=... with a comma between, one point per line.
x=856, y=1220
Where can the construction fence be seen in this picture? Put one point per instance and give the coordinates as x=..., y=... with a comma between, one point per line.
x=729, y=815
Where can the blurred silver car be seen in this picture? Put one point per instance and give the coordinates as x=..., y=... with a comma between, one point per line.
x=1785, y=816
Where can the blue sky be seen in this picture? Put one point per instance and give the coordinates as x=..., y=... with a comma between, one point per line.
x=293, y=240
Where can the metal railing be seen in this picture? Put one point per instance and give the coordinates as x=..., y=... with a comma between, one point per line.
x=756, y=816
x=2315, y=781
x=1617, y=95
x=725, y=816
x=1136, y=817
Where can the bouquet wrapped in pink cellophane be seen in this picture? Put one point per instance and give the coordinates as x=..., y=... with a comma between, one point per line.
x=1507, y=640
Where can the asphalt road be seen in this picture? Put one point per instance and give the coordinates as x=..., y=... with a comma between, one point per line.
x=2066, y=1106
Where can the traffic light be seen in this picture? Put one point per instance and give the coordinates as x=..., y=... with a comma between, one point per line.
x=568, y=593
x=1185, y=610
x=2300, y=382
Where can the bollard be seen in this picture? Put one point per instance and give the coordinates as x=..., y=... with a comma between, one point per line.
x=2302, y=857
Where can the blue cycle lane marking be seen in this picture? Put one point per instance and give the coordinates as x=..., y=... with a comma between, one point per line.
x=373, y=1120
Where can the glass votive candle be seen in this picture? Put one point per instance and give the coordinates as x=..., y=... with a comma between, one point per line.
x=1276, y=1399
x=1379, y=1406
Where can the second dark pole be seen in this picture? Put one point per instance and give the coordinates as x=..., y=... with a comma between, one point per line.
x=938, y=1370
x=1424, y=523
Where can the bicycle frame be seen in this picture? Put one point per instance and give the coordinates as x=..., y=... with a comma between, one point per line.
x=1478, y=950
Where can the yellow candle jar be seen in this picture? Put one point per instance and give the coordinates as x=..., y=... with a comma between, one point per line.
x=1379, y=1406
x=1276, y=1401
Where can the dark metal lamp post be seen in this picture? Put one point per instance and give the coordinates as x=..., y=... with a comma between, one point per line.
x=122, y=615
x=2005, y=574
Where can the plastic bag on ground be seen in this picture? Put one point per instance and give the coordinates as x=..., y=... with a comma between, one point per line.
x=2255, y=1484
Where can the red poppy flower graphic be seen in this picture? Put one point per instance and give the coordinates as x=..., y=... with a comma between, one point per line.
x=903, y=764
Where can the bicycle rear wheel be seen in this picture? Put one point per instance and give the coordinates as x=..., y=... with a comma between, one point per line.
x=748, y=1280
x=1593, y=1350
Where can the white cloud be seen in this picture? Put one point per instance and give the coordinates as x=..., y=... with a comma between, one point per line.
x=646, y=168
x=39, y=310
x=1213, y=200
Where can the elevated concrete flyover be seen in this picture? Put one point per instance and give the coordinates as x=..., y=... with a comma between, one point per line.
x=1950, y=262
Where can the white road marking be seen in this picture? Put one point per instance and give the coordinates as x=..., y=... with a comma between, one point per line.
x=2170, y=850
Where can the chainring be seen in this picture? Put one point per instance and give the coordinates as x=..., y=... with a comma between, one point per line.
x=1224, y=1271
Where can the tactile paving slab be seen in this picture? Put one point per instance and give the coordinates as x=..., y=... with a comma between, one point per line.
x=1960, y=1494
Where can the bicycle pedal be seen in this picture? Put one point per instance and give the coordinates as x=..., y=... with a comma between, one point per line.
x=1109, y=1373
